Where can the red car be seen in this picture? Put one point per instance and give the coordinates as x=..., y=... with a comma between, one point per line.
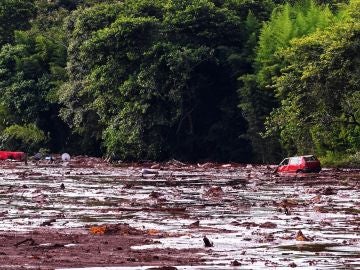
x=20, y=156
x=308, y=163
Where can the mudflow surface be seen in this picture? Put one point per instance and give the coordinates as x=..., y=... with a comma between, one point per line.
x=87, y=213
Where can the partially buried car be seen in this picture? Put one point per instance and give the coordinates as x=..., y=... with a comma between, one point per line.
x=299, y=164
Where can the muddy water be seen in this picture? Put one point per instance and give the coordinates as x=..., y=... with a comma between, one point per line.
x=250, y=214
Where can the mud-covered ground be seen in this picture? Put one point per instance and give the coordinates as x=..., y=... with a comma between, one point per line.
x=87, y=213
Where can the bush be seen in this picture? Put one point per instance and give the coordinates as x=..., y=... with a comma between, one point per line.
x=336, y=159
x=26, y=138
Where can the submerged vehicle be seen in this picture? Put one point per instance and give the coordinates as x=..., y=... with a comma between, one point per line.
x=298, y=164
x=19, y=156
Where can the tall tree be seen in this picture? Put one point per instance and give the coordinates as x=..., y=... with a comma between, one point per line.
x=32, y=70
x=78, y=111
x=159, y=79
x=257, y=90
x=319, y=90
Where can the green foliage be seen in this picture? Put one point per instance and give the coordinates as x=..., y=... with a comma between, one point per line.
x=32, y=70
x=341, y=159
x=319, y=91
x=258, y=99
x=77, y=110
x=14, y=15
x=160, y=78
x=27, y=138
x=286, y=23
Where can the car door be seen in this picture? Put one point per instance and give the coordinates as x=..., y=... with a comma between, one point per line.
x=293, y=164
x=283, y=166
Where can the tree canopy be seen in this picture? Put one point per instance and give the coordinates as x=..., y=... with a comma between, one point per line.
x=319, y=90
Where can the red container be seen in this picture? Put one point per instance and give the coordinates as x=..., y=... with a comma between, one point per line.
x=20, y=156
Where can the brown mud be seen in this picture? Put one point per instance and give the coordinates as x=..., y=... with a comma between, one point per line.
x=51, y=248
x=88, y=212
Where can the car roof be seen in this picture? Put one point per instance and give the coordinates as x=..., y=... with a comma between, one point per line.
x=302, y=156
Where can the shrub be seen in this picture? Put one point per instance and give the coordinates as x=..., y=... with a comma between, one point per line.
x=27, y=138
x=337, y=159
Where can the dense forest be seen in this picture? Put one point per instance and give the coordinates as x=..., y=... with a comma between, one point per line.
x=220, y=80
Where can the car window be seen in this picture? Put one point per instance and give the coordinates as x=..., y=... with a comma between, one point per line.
x=294, y=161
x=310, y=158
x=284, y=162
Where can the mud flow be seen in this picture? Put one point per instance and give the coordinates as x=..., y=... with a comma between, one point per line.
x=87, y=213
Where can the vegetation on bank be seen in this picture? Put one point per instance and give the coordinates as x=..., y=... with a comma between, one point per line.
x=223, y=80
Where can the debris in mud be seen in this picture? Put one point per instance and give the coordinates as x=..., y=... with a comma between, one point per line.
x=152, y=232
x=155, y=166
x=321, y=209
x=214, y=192
x=285, y=204
x=205, y=165
x=316, y=199
x=48, y=222
x=328, y=191
x=226, y=165
x=235, y=263
x=155, y=194
x=324, y=223
x=41, y=198
x=121, y=229
x=284, y=210
x=65, y=157
x=301, y=237
x=162, y=268
x=176, y=163
x=98, y=229
x=207, y=242
x=151, y=172
x=195, y=224
x=27, y=240
x=288, y=203
x=292, y=265
x=269, y=225
x=38, y=156
x=269, y=237
x=248, y=225
x=50, y=246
